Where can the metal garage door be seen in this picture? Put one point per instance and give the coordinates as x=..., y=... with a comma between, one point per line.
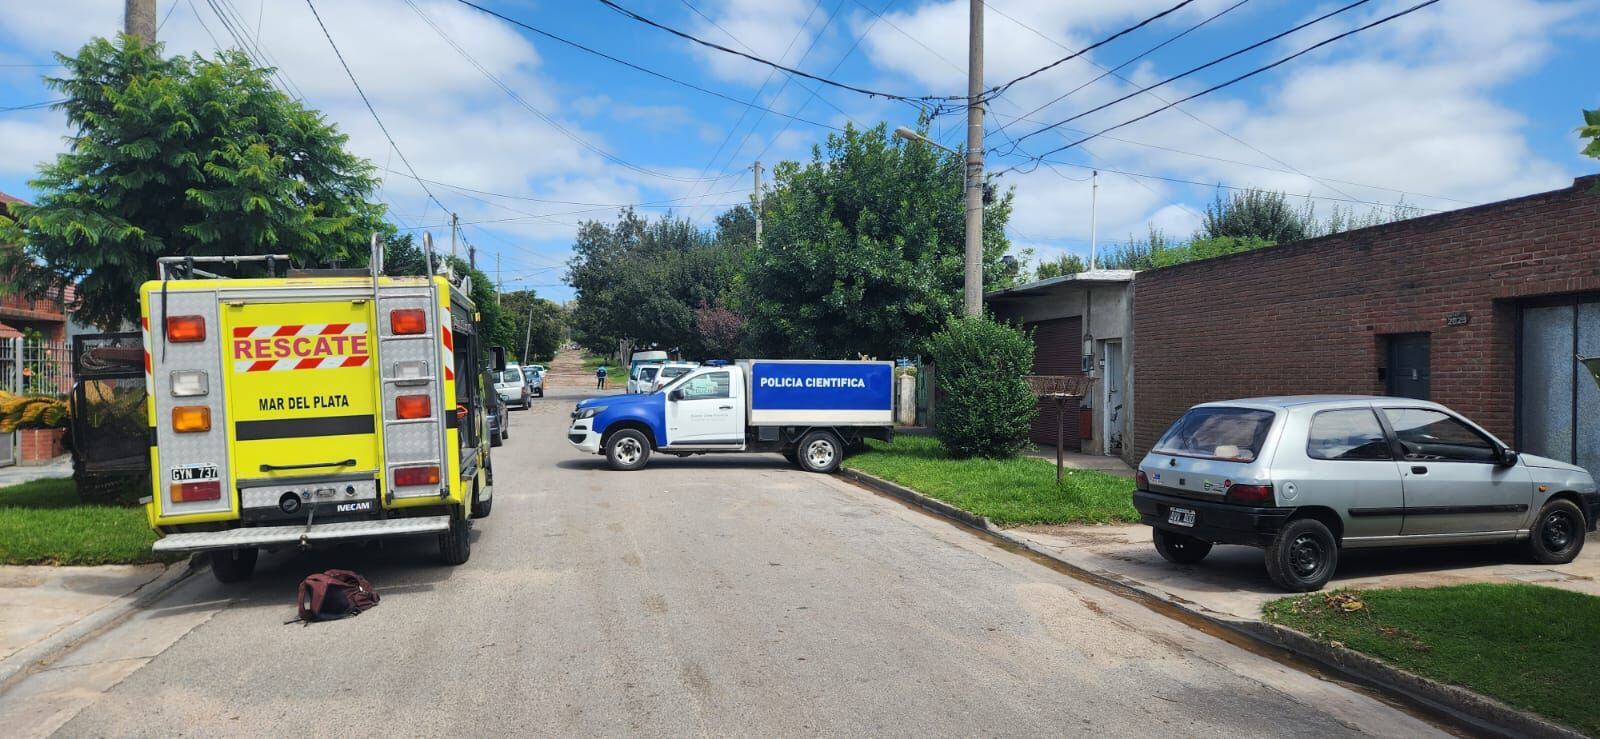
x=1558, y=405
x=1058, y=347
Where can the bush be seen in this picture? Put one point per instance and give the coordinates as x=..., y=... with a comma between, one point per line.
x=986, y=405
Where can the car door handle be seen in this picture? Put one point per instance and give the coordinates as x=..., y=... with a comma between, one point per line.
x=1419, y=470
x=724, y=407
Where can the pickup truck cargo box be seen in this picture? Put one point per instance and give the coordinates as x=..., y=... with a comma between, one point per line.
x=819, y=392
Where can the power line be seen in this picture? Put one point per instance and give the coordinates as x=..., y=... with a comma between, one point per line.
x=1251, y=73
x=1193, y=70
x=791, y=70
x=370, y=109
x=547, y=200
x=635, y=67
x=541, y=114
x=33, y=106
x=1119, y=67
x=998, y=90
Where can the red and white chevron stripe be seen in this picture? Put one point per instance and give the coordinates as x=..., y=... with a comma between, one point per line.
x=300, y=330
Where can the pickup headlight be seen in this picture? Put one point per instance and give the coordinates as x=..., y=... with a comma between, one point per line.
x=589, y=412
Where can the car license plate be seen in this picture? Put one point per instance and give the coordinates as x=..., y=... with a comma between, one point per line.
x=1180, y=516
x=194, y=472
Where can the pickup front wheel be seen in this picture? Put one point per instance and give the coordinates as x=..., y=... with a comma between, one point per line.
x=820, y=451
x=627, y=450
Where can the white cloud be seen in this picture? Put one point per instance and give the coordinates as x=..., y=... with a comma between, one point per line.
x=27, y=140
x=778, y=30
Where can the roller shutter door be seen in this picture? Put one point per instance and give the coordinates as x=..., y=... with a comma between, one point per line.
x=1057, y=348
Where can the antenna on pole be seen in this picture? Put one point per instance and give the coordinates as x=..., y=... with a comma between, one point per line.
x=756, y=199
x=1094, y=201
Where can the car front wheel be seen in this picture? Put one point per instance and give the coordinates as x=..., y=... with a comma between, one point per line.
x=627, y=450
x=1180, y=549
x=1557, y=534
x=1303, y=556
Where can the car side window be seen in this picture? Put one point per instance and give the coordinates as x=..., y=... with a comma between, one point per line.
x=1429, y=435
x=712, y=385
x=1348, y=434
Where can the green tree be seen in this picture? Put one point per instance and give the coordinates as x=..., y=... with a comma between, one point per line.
x=1257, y=214
x=862, y=249
x=403, y=257
x=536, y=325
x=1591, y=130
x=182, y=156
x=986, y=405
x=1066, y=264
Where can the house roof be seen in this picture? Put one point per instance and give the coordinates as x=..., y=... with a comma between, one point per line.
x=1050, y=284
x=6, y=200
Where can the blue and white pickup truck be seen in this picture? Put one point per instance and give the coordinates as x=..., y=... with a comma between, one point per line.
x=811, y=411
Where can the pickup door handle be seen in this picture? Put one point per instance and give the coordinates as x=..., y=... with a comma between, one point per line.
x=1419, y=470
x=724, y=407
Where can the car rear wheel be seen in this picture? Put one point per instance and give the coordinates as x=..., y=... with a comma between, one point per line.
x=234, y=565
x=1557, y=534
x=1303, y=556
x=1180, y=549
x=627, y=450
x=481, y=508
x=497, y=438
x=820, y=451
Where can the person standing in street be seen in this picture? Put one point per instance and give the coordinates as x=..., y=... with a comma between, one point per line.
x=600, y=377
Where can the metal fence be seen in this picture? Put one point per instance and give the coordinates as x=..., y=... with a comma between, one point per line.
x=46, y=368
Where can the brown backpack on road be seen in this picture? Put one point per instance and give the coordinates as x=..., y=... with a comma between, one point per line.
x=335, y=594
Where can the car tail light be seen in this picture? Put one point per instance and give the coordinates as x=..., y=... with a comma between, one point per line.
x=412, y=406
x=1252, y=494
x=189, y=492
x=186, y=328
x=408, y=321
x=189, y=384
x=1141, y=480
x=188, y=419
x=409, y=476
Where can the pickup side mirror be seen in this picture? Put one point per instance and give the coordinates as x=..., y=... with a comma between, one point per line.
x=1508, y=458
x=675, y=394
x=499, y=353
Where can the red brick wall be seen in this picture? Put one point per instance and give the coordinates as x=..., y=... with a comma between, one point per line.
x=37, y=446
x=1306, y=317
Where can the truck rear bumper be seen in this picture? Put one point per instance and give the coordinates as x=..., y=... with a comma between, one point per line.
x=257, y=536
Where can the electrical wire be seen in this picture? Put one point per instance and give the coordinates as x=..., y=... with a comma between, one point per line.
x=1252, y=73
x=33, y=106
x=1000, y=89
x=791, y=70
x=635, y=67
x=463, y=188
x=541, y=115
x=370, y=109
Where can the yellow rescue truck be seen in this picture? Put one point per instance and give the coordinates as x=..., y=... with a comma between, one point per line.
x=312, y=408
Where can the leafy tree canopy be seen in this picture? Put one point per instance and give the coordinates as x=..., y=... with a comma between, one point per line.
x=537, y=326
x=182, y=156
x=862, y=249
x=403, y=256
x=1066, y=264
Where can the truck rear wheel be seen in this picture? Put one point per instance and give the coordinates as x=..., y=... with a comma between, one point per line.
x=233, y=565
x=455, y=545
x=627, y=450
x=820, y=451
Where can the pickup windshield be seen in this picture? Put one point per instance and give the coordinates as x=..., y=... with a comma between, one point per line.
x=1233, y=434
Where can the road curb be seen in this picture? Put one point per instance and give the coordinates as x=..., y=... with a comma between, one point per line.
x=1479, y=713
x=19, y=665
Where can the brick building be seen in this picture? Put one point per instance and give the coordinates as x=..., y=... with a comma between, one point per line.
x=1482, y=309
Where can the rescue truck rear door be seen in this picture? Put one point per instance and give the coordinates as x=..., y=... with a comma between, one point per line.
x=302, y=388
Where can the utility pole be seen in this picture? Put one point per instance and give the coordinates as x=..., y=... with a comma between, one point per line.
x=527, y=337
x=756, y=170
x=1094, y=203
x=472, y=255
x=974, y=251
x=139, y=19
x=455, y=225
x=499, y=285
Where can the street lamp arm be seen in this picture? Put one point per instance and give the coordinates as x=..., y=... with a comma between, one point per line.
x=910, y=135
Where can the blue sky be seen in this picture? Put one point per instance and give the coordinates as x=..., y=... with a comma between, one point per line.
x=1463, y=102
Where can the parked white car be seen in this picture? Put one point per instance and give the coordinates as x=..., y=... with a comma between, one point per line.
x=641, y=377
x=513, y=388
x=669, y=372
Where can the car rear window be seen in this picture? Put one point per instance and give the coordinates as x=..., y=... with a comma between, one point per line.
x=1234, y=434
x=648, y=373
x=511, y=376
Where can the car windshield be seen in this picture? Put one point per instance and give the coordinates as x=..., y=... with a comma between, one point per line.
x=1234, y=434
x=648, y=373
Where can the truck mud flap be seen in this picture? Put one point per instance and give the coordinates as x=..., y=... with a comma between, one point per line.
x=315, y=533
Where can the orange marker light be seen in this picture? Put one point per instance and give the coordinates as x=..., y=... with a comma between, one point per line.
x=186, y=328
x=188, y=419
x=412, y=406
x=408, y=321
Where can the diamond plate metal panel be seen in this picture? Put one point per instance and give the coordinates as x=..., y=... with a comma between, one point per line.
x=267, y=496
x=173, y=448
x=411, y=443
x=316, y=533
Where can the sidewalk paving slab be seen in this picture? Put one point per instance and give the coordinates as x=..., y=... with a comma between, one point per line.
x=17, y=474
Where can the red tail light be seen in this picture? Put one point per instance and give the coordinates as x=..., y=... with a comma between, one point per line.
x=1141, y=480
x=412, y=406
x=1250, y=494
x=186, y=328
x=411, y=476
x=408, y=321
x=189, y=492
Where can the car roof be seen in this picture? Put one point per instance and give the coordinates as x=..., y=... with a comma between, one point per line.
x=1320, y=402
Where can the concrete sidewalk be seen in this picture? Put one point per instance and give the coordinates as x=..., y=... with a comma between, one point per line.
x=1232, y=582
x=1081, y=461
x=17, y=474
x=42, y=608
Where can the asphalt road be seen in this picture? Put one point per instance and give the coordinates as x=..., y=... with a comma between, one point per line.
x=728, y=595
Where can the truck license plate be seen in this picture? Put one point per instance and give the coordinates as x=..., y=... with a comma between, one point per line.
x=194, y=472
x=1180, y=516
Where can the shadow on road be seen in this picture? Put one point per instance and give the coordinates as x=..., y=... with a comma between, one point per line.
x=751, y=461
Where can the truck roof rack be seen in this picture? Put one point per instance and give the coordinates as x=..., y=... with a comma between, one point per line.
x=169, y=267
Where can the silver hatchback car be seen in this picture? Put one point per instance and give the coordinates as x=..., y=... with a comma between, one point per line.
x=1307, y=476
